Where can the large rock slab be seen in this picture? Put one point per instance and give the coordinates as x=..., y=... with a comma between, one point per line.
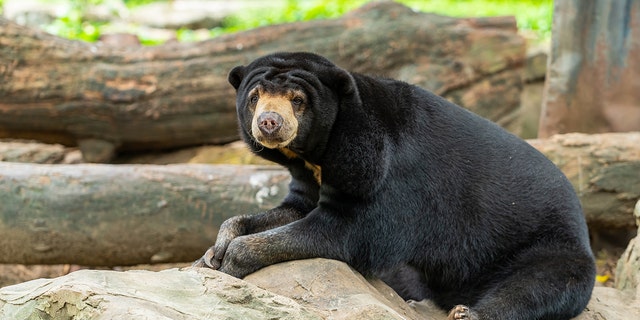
x=311, y=289
x=305, y=289
x=170, y=294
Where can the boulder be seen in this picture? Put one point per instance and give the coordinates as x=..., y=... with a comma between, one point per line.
x=628, y=269
x=32, y=152
x=303, y=289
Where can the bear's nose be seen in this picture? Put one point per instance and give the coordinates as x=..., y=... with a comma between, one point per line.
x=269, y=122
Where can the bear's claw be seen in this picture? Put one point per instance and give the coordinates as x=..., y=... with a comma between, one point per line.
x=460, y=312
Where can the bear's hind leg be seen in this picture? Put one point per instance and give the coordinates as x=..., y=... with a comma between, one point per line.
x=407, y=281
x=542, y=283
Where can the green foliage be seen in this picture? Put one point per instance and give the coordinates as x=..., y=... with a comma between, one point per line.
x=72, y=24
x=533, y=16
x=293, y=11
x=137, y=3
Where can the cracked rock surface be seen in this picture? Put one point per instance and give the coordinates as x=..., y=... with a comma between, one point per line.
x=304, y=289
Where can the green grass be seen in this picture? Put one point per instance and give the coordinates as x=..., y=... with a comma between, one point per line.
x=533, y=16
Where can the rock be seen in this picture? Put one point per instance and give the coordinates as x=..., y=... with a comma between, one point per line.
x=535, y=67
x=32, y=152
x=336, y=289
x=610, y=304
x=170, y=294
x=97, y=150
x=310, y=289
x=304, y=289
x=628, y=269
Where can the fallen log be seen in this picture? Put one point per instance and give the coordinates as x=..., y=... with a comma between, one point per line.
x=99, y=215
x=605, y=172
x=106, y=99
x=93, y=214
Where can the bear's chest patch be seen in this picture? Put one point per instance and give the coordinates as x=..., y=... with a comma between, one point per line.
x=317, y=172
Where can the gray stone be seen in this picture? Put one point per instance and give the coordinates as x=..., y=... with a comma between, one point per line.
x=628, y=268
x=304, y=289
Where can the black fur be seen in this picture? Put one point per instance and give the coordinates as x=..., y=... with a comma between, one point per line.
x=438, y=201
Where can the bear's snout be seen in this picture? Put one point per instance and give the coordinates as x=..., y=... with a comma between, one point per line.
x=269, y=122
x=274, y=123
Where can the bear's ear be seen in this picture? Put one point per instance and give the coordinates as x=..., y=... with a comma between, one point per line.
x=344, y=83
x=235, y=76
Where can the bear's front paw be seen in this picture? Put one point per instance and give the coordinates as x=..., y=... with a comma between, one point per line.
x=461, y=312
x=241, y=258
x=208, y=260
x=229, y=230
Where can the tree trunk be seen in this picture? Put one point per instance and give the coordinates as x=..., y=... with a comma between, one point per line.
x=133, y=214
x=592, y=81
x=121, y=215
x=107, y=99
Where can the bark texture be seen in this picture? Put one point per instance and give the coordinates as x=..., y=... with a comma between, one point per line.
x=105, y=215
x=605, y=172
x=106, y=99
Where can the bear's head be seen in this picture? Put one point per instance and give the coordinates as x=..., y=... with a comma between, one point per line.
x=289, y=101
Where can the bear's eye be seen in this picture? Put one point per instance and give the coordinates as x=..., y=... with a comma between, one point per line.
x=253, y=99
x=297, y=101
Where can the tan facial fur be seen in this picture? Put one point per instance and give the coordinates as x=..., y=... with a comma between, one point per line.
x=316, y=169
x=282, y=105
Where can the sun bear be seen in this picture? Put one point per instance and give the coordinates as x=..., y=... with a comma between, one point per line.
x=404, y=185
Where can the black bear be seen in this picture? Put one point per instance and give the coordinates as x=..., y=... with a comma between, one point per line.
x=402, y=184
